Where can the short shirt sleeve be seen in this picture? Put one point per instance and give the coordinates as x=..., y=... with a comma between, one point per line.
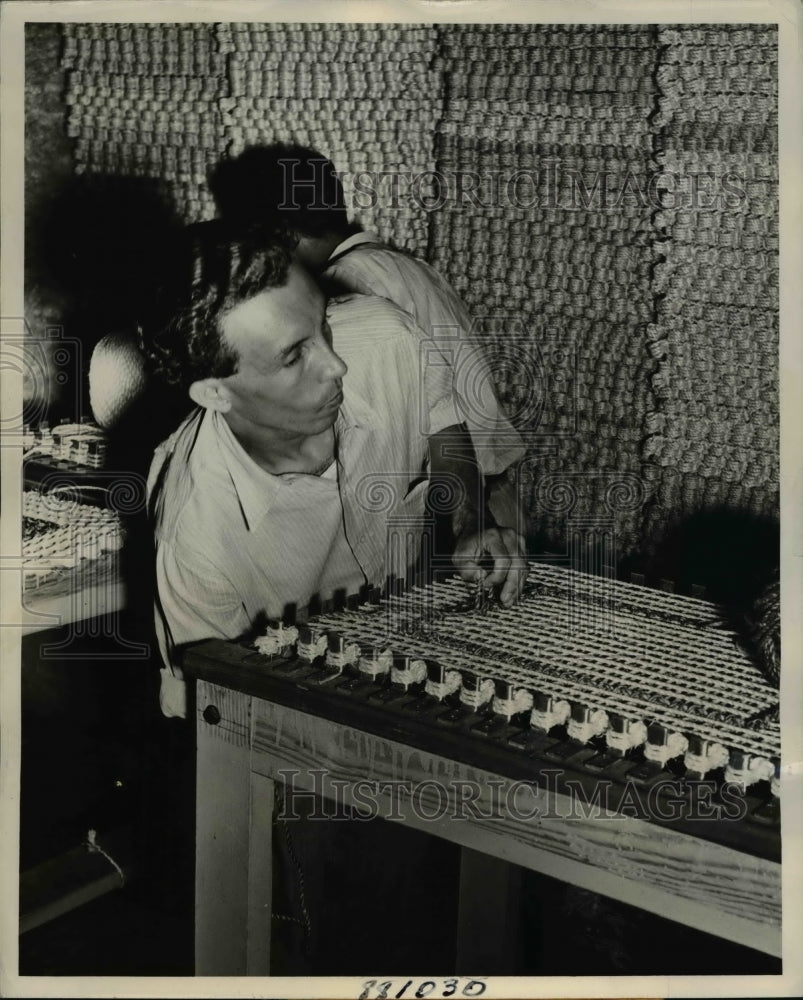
x=194, y=602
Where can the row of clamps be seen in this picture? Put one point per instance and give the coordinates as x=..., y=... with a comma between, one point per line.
x=532, y=721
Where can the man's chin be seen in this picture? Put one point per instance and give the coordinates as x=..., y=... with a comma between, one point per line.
x=324, y=421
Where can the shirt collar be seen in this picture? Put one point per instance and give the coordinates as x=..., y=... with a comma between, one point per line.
x=356, y=411
x=255, y=488
x=351, y=242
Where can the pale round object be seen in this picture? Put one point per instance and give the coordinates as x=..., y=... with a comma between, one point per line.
x=116, y=377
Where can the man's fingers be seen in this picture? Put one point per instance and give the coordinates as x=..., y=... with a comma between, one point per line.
x=514, y=584
x=467, y=558
x=516, y=575
x=495, y=559
x=501, y=567
x=487, y=560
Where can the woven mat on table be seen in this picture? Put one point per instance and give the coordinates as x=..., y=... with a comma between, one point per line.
x=629, y=649
x=68, y=546
x=58, y=581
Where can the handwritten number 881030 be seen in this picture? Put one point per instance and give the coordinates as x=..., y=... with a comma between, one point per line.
x=374, y=990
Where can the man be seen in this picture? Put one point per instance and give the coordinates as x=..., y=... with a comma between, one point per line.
x=315, y=428
x=298, y=189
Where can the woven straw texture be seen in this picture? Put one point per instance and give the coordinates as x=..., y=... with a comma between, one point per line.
x=363, y=95
x=167, y=100
x=633, y=340
x=714, y=432
x=625, y=648
x=145, y=100
x=568, y=105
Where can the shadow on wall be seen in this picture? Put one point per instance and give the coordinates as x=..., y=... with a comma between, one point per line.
x=96, y=251
x=103, y=242
x=733, y=554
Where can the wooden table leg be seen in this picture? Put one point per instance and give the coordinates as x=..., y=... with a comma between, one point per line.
x=233, y=878
x=260, y=875
x=487, y=915
x=221, y=856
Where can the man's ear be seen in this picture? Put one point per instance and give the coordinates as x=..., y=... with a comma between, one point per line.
x=211, y=394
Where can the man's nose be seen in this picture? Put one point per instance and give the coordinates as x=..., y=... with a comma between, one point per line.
x=333, y=365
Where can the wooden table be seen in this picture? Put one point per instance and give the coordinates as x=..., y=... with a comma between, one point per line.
x=252, y=726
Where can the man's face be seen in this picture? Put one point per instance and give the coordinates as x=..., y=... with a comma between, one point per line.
x=289, y=379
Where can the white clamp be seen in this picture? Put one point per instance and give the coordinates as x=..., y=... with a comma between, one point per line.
x=522, y=701
x=414, y=673
x=350, y=653
x=483, y=694
x=379, y=664
x=276, y=638
x=449, y=685
x=714, y=755
x=634, y=735
x=556, y=715
x=660, y=753
x=758, y=769
x=594, y=726
x=310, y=650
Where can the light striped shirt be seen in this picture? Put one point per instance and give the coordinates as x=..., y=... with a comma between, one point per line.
x=236, y=545
x=362, y=263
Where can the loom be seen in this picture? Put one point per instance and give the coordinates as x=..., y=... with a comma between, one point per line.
x=677, y=374
x=608, y=678
x=617, y=704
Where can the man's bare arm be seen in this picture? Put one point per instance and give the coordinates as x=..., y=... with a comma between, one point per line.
x=478, y=535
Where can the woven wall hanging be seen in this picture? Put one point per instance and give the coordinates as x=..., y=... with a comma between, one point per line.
x=634, y=340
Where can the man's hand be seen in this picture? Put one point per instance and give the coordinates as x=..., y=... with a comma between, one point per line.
x=488, y=549
x=493, y=558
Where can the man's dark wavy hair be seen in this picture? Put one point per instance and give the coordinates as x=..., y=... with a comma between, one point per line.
x=281, y=185
x=217, y=267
